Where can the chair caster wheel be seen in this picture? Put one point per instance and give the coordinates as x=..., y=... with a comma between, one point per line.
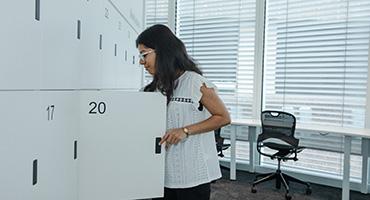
x=308, y=191
x=288, y=197
x=253, y=190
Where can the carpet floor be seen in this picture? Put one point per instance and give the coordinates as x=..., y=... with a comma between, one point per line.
x=225, y=189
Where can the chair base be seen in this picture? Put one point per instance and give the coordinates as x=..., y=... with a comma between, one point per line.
x=280, y=178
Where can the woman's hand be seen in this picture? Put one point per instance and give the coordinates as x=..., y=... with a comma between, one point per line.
x=173, y=136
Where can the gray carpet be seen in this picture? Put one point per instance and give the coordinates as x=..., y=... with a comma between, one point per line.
x=224, y=189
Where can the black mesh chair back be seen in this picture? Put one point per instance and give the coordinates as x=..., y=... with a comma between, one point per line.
x=279, y=125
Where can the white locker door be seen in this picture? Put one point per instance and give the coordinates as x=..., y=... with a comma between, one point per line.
x=60, y=125
x=110, y=49
x=118, y=142
x=133, y=12
x=60, y=44
x=122, y=75
x=20, y=50
x=134, y=69
x=19, y=145
x=92, y=44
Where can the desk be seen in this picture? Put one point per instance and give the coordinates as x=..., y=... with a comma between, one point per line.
x=348, y=133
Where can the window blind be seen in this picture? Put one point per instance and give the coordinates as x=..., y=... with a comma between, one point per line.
x=219, y=35
x=316, y=60
x=156, y=12
x=315, y=66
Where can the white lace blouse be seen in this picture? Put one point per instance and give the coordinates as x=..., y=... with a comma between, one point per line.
x=194, y=160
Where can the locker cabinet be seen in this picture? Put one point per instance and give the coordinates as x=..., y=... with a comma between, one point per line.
x=110, y=51
x=130, y=73
x=60, y=126
x=92, y=44
x=20, y=48
x=60, y=142
x=37, y=145
x=123, y=43
x=122, y=75
x=117, y=151
x=136, y=68
x=120, y=68
x=133, y=12
x=20, y=145
x=60, y=43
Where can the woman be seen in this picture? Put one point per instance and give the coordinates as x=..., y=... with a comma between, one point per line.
x=194, y=110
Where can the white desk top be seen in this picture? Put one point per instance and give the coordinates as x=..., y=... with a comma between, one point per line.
x=356, y=132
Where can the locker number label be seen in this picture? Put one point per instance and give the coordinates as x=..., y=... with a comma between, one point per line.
x=50, y=110
x=97, y=108
x=106, y=13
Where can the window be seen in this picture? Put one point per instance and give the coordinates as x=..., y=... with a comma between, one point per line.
x=156, y=12
x=316, y=60
x=219, y=35
x=315, y=66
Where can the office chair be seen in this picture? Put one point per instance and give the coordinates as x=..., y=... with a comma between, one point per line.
x=279, y=126
x=220, y=146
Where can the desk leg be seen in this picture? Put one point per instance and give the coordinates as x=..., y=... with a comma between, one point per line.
x=252, y=148
x=365, y=148
x=233, y=153
x=346, y=167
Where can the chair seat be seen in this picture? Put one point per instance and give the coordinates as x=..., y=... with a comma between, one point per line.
x=283, y=150
x=277, y=146
x=222, y=147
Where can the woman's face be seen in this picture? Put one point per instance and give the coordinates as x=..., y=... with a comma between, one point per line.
x=147, y=58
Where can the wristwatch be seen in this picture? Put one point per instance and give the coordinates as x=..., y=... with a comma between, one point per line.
x=186, y=131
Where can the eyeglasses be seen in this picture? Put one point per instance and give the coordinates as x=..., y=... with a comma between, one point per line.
x=144, y=54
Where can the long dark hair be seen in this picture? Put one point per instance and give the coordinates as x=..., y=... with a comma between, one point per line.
x=171, y=58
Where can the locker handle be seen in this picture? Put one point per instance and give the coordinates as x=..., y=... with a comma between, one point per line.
x=78, y=29
x=34, y=172
x=115, y=49
x=101, y=42
x=37, y=10
x=157, y=145
x=75, y=150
